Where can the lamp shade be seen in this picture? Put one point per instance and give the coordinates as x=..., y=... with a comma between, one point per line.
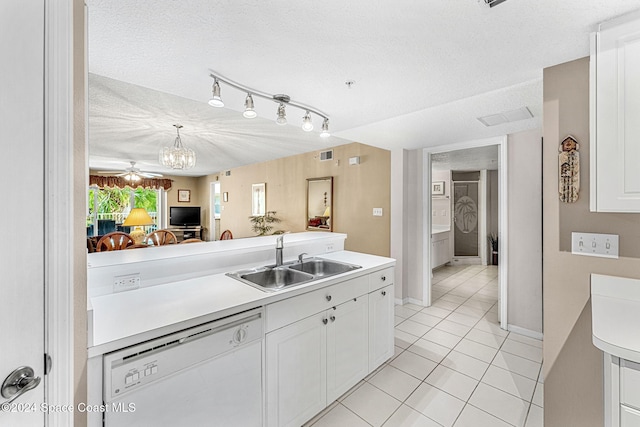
x=137, y=217
x=327, y=211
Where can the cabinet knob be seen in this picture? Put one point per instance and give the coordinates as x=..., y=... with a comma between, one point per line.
x=333, y=318
x=383, y=278
x=325, y=321
x=328, y=297
x=384, y=293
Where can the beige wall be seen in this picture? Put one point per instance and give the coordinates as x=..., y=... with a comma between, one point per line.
x=80, y=208
x=356, y=191
x=572, y=365
x=525, y=230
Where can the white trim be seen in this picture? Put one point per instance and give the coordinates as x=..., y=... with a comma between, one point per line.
x=501, y=142
x=59, y=215
x=426, y=228
x=593, y=127
x=401, y=301
x=526, y=332
x=482, y=217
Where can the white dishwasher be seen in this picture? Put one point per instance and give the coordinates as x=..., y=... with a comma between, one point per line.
x=209, y=375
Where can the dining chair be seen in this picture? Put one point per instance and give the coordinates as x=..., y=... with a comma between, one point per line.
x=226, y=235
x=194, y=240
x=114, y=241
x=161, y=238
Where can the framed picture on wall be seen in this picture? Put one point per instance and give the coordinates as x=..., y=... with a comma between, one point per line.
x=258, y=199
x=184, y=195
x=437, y=188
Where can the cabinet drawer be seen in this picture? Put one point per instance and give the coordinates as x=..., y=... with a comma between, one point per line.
x=629, y=383
x=284, y=312
x=380, y=279
x=629, y=417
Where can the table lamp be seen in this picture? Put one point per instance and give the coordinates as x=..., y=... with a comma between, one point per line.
x=137, y=217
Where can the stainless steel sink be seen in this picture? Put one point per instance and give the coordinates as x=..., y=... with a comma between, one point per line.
x=319, y=267
x=272, y=278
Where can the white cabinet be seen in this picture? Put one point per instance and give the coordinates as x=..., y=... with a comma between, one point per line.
x=347, y=346
x=615, y=108
x=322, y=343
x=629, y=417
x=381, y=346
x=296, y=371
x=439, y=249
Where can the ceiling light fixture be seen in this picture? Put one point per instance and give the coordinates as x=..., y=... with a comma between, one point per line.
x=216, y=100
x=249, y=112
x=325, y=129
x=282, y=115
x=493, y=3
x=281, y=99
x=307, y=126
x=178, y=156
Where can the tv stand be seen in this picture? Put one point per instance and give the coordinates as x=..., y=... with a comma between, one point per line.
x=184, y=233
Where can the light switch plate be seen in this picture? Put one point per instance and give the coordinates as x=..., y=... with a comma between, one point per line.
x=377, y=211
x=593, y=244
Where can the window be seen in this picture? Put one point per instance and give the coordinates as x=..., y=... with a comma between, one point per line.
x=108, y=208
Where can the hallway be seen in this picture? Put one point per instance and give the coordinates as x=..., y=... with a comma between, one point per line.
x=453, y=365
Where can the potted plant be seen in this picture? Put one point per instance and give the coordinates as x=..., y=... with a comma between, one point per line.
x=493, y=240
x=263, y=224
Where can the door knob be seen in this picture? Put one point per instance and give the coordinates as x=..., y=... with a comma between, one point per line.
x=18, y=383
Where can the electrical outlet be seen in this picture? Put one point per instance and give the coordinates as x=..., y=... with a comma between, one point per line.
x=126, y=283
x=377, y=211
x=592, y=244
x=444, y=212
x=329, y=248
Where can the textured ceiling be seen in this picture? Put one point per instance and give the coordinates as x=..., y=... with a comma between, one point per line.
x=423, y=69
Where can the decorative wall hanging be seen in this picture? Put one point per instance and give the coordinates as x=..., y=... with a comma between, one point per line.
x=569, y=170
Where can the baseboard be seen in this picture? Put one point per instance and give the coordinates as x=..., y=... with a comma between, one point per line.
x=466, y=261
x=402, y=301
x=415, y=301
x=526, y=332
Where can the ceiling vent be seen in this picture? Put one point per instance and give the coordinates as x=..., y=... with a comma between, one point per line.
x=506, y=117
x=326, y=155
x=493, y=3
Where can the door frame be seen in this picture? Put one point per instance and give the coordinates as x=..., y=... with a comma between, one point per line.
x=59, y=215
x=503, y=226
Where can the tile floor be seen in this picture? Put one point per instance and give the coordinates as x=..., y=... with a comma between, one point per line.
x=453, y=365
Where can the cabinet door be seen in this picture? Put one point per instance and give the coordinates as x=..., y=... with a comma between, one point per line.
x=629, y=417
x=296, y=374
x=347, y=346
x=381, y=346
x=615, y=150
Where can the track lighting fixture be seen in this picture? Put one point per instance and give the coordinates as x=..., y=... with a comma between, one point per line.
x=249, y=112
x=282, y=115
x=216, y=100
x=307, y=126
x=325, y=129
x=281, y=99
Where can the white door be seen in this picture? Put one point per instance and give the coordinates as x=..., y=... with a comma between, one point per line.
x=21, y=209
x=296, y=372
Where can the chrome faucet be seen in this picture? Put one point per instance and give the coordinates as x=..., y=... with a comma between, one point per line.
x=301, y=256
x=279, y=247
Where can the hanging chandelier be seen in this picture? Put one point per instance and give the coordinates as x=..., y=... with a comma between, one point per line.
x=178, y=156
x=281, y=99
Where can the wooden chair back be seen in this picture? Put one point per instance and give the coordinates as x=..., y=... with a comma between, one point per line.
x=226, y=235
x=161, y=237
x=194, y=240
x=114, y=241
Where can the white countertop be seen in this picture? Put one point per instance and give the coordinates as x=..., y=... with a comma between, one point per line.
x=126, y=318
x=435, y=229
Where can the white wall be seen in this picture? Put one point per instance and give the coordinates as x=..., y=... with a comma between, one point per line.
x=525, y=230
x=414, y=230
x=399, y=218
x=441, y=205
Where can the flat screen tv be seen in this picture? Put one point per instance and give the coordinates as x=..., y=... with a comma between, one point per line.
x=184, y=216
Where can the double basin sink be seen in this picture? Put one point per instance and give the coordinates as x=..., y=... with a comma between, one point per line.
x=272, y=278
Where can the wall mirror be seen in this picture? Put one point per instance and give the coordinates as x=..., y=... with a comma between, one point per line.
x=320, y=203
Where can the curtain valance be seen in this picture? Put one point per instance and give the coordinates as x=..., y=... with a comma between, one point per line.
x=120, y=182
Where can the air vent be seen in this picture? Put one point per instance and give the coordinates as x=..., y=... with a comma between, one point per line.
x=326, y=155
x=493, y=3
x=506, y=117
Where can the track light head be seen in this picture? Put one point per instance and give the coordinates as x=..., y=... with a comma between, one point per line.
x=249, y=112
x=307, y=126
x=325, y=128
x=216, y=100
x=282, y=115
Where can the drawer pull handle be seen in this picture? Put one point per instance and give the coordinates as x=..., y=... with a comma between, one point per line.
x=383, y=278
x=325, y=321
x=333, y=318
x=384, y=293
x=328, y=297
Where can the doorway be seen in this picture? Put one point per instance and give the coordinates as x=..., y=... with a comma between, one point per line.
x=470, y=211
